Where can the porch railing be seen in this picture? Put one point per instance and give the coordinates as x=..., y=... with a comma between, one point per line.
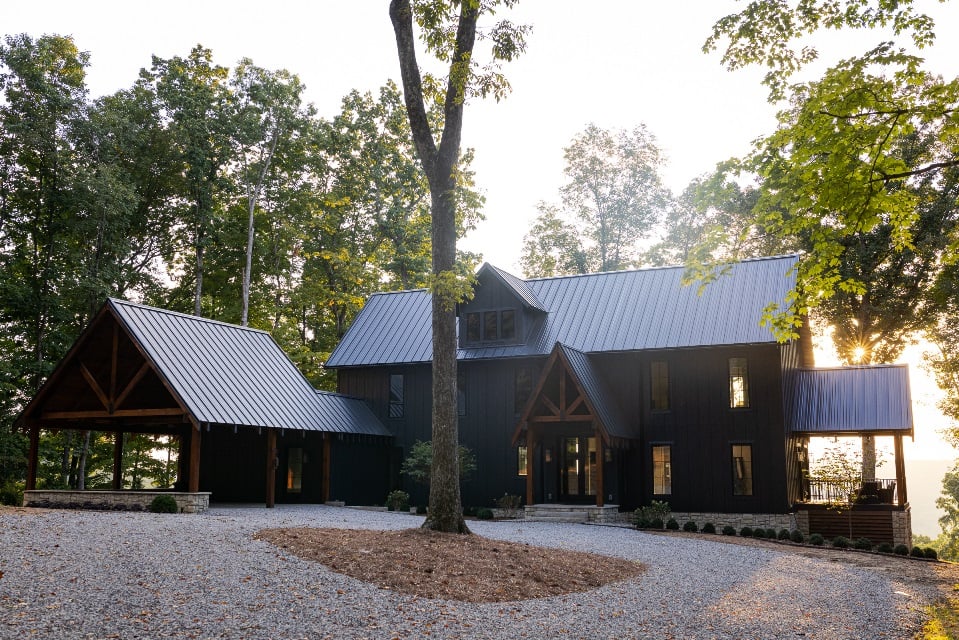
x=878, y=491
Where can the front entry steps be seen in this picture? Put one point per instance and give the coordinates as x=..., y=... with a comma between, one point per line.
x=573, y=513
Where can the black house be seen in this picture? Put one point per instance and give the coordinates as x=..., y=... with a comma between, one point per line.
x=620, y=388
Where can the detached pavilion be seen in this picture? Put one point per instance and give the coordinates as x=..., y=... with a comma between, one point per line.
x=251, y=428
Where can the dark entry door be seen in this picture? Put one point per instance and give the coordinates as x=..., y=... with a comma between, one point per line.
x=577, y=469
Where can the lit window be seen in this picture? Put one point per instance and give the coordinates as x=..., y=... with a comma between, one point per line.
x=521, y=461
x=396, y=395
x=662, y=471
x=738, y=383
x=742, y=470
x=659, y=385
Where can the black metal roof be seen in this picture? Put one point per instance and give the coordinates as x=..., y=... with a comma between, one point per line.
x=516, y=285
x=231, y=375
x=601, y=312
x=600, y=399
x=838, y=400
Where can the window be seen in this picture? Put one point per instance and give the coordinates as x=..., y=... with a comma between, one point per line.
x=659, y=385
x=460, y=394
x=521, y=461
x=396, y=395
x=662, y=471
x=507, y=324
x=742, y=470
x=491, y=325
x=522, y=388
x=738, y=383
x=473, y=333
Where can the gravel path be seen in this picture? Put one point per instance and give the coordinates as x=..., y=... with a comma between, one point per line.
x=66, y=574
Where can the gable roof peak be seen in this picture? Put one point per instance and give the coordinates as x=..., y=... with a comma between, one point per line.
x=517, y=285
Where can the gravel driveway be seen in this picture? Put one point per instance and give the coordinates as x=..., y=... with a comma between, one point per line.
x=66, y=574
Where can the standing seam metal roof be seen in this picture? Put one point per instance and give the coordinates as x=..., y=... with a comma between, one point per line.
x=601, y=312
x=239, y=376
x=834, y=400
x=599, y=397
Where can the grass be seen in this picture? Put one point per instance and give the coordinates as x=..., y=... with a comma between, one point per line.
x=943, y=623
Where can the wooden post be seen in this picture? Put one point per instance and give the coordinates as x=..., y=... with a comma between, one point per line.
x=530, y=467
x=270, y=468
x=118, y=461
x=32, y=458
x=194, y=483
x=327, y=445
x=900, y=472
x=600, y=460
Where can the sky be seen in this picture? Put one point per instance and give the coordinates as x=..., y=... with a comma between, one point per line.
x=617, y=63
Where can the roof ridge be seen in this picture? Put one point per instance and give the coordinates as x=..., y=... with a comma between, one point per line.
x=185, y=316
x=659, y=268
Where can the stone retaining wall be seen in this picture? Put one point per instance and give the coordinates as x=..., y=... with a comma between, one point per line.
x=775, y=521
x=114, y=500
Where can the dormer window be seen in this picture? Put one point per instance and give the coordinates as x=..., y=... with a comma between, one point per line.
x=491, y=326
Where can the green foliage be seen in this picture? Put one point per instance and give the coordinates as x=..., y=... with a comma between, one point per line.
x=613, y=197
x=418, y=464
x=948, y=502
x=164, y=504
x=759, y=532
x=817, y=540
x=648, y=516
x=797, y=536
x=510, y=505
x=398, y=500
x=771, y=534
x=884, y=547
x=901, y=550
x=729, y=530
x=917, y=552
x=484, y=513
x=746, y=532
x=864, y=544
x=783, y=534
x=11, y=493
x=709, y=527
x=841, y=542
x=690, y=526
x=672, y=525
x=930, y=553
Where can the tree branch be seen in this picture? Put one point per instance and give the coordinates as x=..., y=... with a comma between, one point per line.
x=885, y=177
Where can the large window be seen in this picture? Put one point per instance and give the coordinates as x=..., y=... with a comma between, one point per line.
x=662, y=470
x=396, y=395
x=742, y=470
x=738, y=383
x=491, y=326
x=659, y=385
x=522, y=388
x=522, y=461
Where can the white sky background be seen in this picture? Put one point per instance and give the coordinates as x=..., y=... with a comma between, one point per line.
x=617, y=63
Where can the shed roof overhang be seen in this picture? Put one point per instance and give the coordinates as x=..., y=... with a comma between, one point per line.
x=570, y=390
x=851, y=401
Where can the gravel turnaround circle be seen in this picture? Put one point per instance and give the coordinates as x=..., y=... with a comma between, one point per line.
x=74, y=574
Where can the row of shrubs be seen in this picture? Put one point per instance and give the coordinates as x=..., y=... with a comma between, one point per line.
x=399, y=500
x=797, y=536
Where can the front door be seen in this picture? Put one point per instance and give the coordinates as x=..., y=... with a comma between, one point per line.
x=577, y=469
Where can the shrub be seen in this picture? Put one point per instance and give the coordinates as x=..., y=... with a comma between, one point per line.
x=398, y=500
x=164, y=504
x=421, y=509
x=783, y=534
x=884, y=547
x=709, y=527
x=841, y=542
x=930, y=553
x=746, y=532
x=917, y=553
x=656, y=523
x=510, y=504
x=901, y=550
x=672, y=525
x=758, y=532
x=797, y=536
x=817, y=540
x=863, y=543
x=469, y=511
x=771, y=534
x=690, y=526
x=484, y=514
x=640, y=521
x=11, y=494
x=729, y=530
